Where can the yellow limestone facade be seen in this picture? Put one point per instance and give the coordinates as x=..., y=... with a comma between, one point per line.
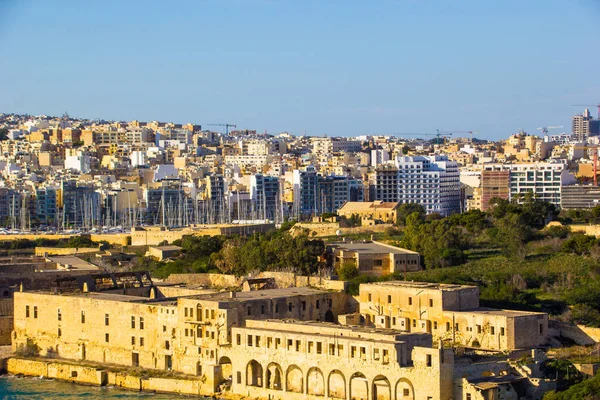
x=270, y=343
x=450, y=313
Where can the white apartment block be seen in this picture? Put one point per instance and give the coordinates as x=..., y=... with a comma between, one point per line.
x=543, y=179
x=432, y=181
x=335, y=145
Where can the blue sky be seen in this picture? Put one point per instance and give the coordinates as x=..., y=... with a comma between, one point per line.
x=320, y=67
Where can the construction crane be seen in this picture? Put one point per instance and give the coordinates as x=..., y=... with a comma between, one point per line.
x=544, y=129
x=470, y=133
x=588, y=105
x=226, y=127
x=438, y=135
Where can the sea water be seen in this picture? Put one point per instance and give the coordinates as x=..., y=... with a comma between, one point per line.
x=17, y=388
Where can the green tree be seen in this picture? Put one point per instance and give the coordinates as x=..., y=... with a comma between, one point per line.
x=407, y=209
x=347, y=271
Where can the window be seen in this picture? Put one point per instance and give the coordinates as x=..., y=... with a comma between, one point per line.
x=59, y=332
x=59, y=315
x=375, y=354
x=303, y=306
x=434, y=324
x=297, y=345
x=249, y=311
x=319, y=347
x=257, y=341
x=468, y=396
x=331, y=349
x=34, y=311
x=106, y=319
x=290, y=307
x=133, y=322
x=141, y=322
x=541, y=329
x=492, y=330
x=167, y=345
x=26, y=311
x=478, y=328
x=456, y=328
x=133, y=340
x=277, y=343
x=186, y=332
x=405, y=392
x=191, y=312
x=83, y=317
x=410, y=301
x=414, y=323
x=317, y=305
x=502, y=331
x=428, y=361
x=185, y=312
x=262, y=309
x=290, y=343
x=106, y=337
x=352, y=351
x=276, y=308
x=430, y=302
x=369, y=296
x=238, y=339
x=249, y=340
x=141, y=342
x=199, y=332
x=389, y=299
x=164, y=327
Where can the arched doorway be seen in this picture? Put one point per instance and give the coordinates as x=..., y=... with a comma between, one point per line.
x=315, y=383
x=225, y=366
x=329, y=317
x=359, y=387
x=294, y=381
x=381, y=388
x=254, y=374
x=404, y=390
x=336, y=385
x=274, y=377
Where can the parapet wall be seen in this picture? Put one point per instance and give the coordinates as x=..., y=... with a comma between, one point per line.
x=283, y=280
x=64, y=251
x=323, y=229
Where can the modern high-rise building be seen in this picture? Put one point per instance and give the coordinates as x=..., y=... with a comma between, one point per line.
x=432, y=181
x=264, y=193
x=581, y=125
x=495, y=183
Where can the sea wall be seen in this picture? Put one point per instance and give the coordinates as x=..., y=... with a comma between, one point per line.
x=99, y=376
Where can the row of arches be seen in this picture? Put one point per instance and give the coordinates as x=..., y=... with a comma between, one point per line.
x=333, y=384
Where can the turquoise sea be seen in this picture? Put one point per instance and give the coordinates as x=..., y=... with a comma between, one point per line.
x=17, y=388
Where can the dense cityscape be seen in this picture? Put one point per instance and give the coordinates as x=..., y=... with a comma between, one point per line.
x=299, y=200
x=65, y=174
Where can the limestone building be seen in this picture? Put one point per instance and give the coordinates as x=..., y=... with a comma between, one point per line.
x=281, y=343
x=451, y=313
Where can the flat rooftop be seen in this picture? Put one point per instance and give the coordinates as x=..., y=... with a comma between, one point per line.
x=260, y=294
x=498, y=312
x=330, y=329
x=372, y=248
x=421, y=285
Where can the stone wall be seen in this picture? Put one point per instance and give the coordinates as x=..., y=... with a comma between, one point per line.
x=322, y=229
x=98, y=376
x=580, y=334
x=283, y=280
x=63, y=251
